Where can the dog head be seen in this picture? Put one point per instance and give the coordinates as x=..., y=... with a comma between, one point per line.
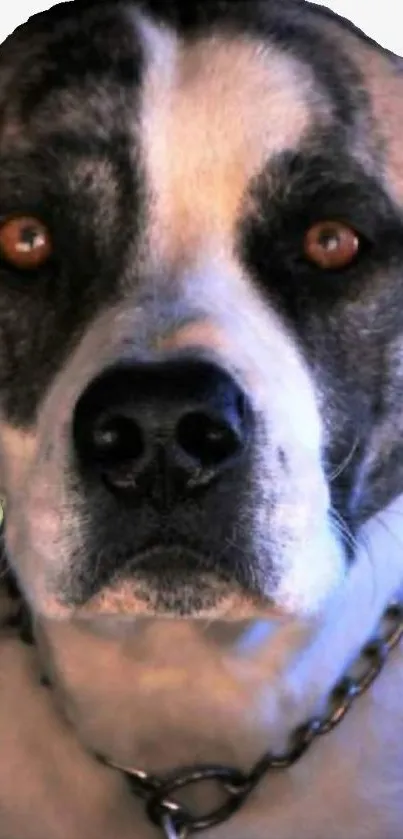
x=201, y=313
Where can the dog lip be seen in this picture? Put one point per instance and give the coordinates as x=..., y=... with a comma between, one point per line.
x=163, y=579
x=158, y=554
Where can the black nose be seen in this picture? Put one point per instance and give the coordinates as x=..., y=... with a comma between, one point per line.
x=166, y=428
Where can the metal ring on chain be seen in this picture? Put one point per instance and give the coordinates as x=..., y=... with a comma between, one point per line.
x=229, y=778
x=176, y=822
x=169, y=830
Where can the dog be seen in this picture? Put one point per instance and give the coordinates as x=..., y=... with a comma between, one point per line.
x=201, y=382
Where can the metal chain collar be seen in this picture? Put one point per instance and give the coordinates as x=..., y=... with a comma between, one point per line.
x=177, y=822
x=174, y=819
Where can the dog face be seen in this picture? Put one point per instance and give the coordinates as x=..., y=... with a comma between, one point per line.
x=200, y=304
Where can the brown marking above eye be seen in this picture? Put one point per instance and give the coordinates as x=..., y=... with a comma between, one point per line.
x=25, y=242
x=331, y=245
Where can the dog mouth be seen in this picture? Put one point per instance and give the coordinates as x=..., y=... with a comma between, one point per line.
x=172, y=580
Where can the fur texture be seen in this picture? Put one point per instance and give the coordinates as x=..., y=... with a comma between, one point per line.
x=177, y=153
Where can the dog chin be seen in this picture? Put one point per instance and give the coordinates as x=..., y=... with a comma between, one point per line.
x=171, y=582
x=206, y=599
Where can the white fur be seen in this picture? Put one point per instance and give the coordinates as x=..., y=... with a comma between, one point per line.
x=350, y=785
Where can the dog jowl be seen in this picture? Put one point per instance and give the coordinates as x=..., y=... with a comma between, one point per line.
x=200, y=304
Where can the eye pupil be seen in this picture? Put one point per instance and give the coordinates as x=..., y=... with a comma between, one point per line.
x=30, y=238
x=329, y=240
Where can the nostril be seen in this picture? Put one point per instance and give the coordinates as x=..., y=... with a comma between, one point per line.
x=115, y=440
x=208, y=440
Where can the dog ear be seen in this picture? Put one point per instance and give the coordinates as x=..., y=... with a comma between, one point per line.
x=383, y=77
x=381, y=72
x=10, y=597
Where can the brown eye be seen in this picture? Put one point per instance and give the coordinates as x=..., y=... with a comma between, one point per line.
x=25, y=242
x=331, y=244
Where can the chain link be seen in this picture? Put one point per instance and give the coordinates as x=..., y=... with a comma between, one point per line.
x=176, y=822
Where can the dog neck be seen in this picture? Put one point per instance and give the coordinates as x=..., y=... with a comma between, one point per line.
x=168, y=694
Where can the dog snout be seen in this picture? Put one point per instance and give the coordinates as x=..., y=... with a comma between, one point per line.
x=166, y=428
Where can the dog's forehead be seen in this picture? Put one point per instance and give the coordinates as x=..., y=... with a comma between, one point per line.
x=204, y=113
x=85, y=63
x=219, y=90
x=212, y=114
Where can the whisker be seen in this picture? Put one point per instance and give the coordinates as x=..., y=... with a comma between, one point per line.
x=343, y=528
x=363, y=543
x=344, y=463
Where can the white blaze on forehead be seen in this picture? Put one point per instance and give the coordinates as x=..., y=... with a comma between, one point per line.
x=212, y=114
